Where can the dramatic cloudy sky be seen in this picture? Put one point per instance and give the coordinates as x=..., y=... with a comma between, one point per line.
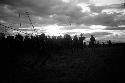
x=105, y=19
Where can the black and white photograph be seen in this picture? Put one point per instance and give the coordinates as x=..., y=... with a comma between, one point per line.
x=65, y=41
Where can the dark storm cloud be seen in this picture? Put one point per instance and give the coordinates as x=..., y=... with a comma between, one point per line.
x=62, y=13
x=26, y=3
x=44, y=8
x=68, y=13
x=39, y=7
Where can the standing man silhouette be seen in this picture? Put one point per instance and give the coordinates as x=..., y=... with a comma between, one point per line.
x=92, y=41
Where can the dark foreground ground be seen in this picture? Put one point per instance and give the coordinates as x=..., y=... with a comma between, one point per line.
x=85, y=65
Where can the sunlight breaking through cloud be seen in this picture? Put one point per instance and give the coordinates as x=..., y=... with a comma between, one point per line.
x=53, y=30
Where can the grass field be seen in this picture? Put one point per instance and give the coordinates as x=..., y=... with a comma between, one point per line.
x=82, y=65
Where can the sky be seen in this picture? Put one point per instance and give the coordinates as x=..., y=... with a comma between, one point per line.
x=105, y=19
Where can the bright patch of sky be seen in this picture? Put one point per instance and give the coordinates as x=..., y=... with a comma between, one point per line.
x=121, y=26
x=84, y=7
x=105, y=2
x=94, y=14
x=97, y=27
x=66, y=1
x=53, y=30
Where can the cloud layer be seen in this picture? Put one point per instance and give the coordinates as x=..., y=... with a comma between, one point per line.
x=71, y=14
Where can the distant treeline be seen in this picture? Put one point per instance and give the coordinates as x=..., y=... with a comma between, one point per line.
x=44, y=42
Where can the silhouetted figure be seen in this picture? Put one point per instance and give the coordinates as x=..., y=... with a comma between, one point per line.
x=109, y=43
x=92, y=41
x=75, y=43
x=81, y=38
x=67, y=41
x=84, y=44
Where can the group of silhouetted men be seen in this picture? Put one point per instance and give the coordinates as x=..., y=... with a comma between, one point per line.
x=43, y=42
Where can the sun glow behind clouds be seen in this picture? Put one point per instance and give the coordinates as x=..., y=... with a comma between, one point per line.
x=53, y=30
x=56, y=30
